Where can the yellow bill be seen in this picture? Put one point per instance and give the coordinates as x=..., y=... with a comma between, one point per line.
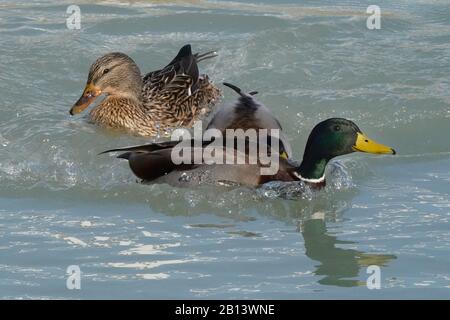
x=364, y=144
x=284, y=155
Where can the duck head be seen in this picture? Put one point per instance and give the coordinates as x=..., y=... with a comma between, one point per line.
x=332, y=138
x=114, y=74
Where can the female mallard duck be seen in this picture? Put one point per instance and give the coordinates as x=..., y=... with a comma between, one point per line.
x=171, y=97
x=330, y=138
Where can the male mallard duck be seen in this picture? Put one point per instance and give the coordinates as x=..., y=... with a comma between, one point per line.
x=171, y=97
x=330, y=138
x=247, y=113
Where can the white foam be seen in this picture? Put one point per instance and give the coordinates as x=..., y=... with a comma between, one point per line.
x=153, y=276
x=147, y=265
x=148, y=234
x=76, y=241
x=98, y=238
x=86, y=224
x=150, y=249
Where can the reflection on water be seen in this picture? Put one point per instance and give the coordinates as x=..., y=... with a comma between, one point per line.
x=337, y=265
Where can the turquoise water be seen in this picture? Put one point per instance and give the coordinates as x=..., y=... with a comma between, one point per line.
x=62, y=205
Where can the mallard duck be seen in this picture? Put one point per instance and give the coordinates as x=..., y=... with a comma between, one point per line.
x=248, y=113
x=174, y=96
x=328, y=139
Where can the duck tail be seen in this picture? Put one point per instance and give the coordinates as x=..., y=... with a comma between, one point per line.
x=204, y=56
x=125, y=155
x=145, y=148
x=238, y=90
x=129, y=149
x=185, y=51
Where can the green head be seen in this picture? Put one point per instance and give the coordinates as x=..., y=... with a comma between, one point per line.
x=335, y=137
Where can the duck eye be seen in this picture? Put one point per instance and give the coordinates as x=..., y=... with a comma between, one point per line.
x=105, y=71
x=337, y=128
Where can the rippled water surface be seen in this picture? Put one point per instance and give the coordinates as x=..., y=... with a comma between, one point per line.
x=61, y=204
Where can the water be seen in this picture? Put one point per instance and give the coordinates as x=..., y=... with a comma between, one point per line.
x=61, y=204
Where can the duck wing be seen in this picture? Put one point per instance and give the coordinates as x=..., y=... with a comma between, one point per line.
x=181, y=73
x=145, y=148
x=149, y=166
x=151, y=161
x=247, y=113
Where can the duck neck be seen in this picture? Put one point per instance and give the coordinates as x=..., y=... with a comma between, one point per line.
x=132, y=92
x=312, y=170
x=128, y=87
x=133, y=97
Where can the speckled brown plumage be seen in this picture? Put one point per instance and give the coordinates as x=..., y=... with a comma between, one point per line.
x=174, y=96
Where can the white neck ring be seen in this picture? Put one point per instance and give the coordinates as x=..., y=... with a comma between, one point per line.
x=319, y=180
